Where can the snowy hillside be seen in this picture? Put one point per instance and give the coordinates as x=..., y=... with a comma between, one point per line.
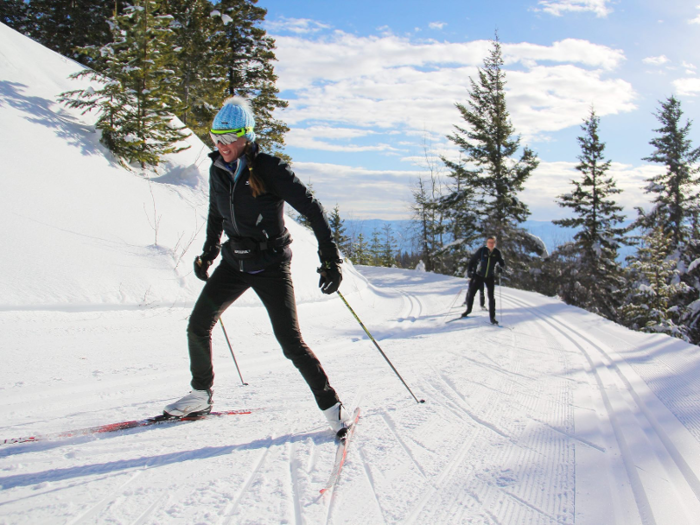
x=78, y=229
x=557, y=417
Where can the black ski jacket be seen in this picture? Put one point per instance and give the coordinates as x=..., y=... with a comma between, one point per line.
x=483, y=262
x=257, y=236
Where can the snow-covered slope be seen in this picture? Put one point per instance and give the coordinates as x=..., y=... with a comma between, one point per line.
x=77, y=228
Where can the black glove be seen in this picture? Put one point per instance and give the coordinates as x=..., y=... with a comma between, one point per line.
x=204, y=261
x=471, y=274
x=331, y=276
x=499, y=269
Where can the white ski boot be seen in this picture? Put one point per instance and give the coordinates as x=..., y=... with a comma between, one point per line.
x=338, y=418
x=196, y=403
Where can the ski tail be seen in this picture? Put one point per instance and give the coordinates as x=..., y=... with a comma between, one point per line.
x=122, y=425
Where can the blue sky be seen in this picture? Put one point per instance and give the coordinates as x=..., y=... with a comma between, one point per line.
x=372, y=87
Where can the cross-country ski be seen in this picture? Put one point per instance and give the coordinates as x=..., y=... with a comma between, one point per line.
x=341, y=453
x=123, y=425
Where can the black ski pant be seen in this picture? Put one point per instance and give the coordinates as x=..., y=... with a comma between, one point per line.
x=276, y=291
x=482, y=299
x=477, y=282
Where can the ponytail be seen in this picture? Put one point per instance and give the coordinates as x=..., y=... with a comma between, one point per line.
x=257, y=186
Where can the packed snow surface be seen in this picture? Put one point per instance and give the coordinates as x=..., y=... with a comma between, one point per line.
x=556, y=417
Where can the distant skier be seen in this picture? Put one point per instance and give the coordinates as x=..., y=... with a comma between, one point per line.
x=247, y=192
x=482, y=269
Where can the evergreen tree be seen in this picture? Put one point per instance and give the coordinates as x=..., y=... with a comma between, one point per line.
x=342, y=241
x=489, y=146
x=247, y=59
x=592, y=276
x=66, y=26
x=375, y=248
x=360, y=251
x=459, y=210
x=135, y=96
x=14, y=13
x=676, y=202
x=199, y=62
x=675, y=192
x=655, y=288
x=388, y=249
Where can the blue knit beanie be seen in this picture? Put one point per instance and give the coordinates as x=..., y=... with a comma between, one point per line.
x=236, y=113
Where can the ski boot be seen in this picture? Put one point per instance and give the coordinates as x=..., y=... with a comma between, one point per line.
x=338, y=418
x=196, y=403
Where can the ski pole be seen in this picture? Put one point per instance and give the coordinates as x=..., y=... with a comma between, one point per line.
x=500, y=297
x=459, y=292
x=231, y=349
x=378, y=348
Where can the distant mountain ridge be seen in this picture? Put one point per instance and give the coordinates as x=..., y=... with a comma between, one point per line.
x=405, y=232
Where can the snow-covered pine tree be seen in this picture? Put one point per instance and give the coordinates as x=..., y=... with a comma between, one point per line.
x=652, y=303
x=66, y=26
x=592, y=278
x=247, y=57
x=460, y=214
x=675, y=192
x=198, y=62
x=676, y=201
x=135, y=95
x=491, y=166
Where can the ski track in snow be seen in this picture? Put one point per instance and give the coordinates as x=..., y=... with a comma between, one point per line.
x=647, y=452
x=543, y=423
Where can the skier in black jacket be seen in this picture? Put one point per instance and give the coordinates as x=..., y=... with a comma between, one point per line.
x=482, y=270
x=247, y=192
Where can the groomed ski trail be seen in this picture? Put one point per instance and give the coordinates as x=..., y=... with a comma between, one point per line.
x=516, y=427
x=647, y=452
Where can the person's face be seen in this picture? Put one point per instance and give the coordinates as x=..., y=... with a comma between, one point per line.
x=491, y=243
x=231, y=152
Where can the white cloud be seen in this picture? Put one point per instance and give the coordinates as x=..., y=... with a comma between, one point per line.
x=296, y=25
x=565, y=100
x=656, y=61
x=368, y=193
x=690, y=69
x=552, y=179
x=379, y=193
x=308, y=138
x=437, y=25
x=687, y=86
x=388, y=82
x=695, y=20
x=559, y=7
x=342, y=55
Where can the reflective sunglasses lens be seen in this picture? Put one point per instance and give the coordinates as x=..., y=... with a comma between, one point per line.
x=224, y=139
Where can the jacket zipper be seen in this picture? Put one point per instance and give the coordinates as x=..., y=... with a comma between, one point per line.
x=233, y=217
